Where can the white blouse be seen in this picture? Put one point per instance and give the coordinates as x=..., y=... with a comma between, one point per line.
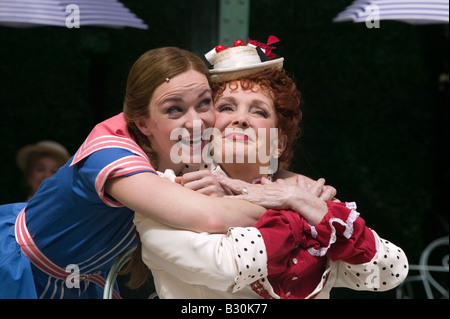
x=189, y=265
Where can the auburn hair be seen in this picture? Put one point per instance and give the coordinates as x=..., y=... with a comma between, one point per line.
x=286, y=99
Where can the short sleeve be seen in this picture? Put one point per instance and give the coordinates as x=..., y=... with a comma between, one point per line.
x=97, y=168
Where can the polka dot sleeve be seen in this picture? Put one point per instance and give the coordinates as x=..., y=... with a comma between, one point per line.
x=387, y=269
x=250, y=255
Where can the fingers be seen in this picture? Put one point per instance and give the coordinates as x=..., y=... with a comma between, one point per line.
x=203, y=182
x=328, y=193
x=193, y=176
x=324, y=192
x=196, y=180
x=197, y=185
x=234, y=185
x=265, y=181
x=317, y=188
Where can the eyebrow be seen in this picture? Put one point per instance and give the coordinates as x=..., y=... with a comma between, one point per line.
x=232, y=99
x=227, y=98
x=171, y=99
x=178, y=98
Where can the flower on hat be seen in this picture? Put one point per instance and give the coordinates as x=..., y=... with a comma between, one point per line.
x=266, y=46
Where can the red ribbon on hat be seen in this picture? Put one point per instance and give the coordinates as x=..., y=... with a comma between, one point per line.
x=266, y=46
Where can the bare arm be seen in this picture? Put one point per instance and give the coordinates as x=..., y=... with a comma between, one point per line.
x=296, y=192
x=179, y=207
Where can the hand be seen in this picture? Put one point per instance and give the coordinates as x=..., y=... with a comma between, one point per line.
x=266, y=194
x=203, y=181
x=317, y=188
x=272, y=195
x=302, y=197
x=327, y=192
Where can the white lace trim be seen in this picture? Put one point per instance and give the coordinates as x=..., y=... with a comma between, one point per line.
x=347, y=232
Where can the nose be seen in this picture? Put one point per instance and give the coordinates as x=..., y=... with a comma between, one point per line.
x=193, y=120
x=240, y=120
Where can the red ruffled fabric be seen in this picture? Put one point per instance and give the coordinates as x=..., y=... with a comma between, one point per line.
x=297, y=252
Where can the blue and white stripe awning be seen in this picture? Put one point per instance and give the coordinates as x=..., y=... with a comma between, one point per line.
x=409, y=11
x=103, y=13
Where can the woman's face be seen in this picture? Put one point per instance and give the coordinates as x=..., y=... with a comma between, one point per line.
x=45, y=167
x=248, y=121
x=180, y=110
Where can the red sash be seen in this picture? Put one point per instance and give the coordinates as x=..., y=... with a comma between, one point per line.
x=41, y=261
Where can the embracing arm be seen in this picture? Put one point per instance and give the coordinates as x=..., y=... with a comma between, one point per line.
x=179, y=207
x=201, y=258
x=194, y=258
x=307, y=200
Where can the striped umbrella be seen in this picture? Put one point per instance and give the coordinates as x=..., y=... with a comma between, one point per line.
x=71, y=13
x=409, y=11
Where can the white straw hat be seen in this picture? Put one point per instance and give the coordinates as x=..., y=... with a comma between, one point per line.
x=50, y=147
x=240, y=60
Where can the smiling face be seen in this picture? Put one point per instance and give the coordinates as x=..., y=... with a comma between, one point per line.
x=175, y=105
x=247, y=120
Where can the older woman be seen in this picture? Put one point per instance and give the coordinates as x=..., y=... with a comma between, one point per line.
x=300, y=249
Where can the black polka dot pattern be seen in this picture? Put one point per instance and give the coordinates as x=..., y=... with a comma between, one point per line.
x=250, y=255
x=385, y=271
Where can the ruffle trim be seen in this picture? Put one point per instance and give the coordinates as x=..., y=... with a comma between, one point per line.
x=350, y=216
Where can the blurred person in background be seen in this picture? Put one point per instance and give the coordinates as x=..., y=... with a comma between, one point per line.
x=40, y=161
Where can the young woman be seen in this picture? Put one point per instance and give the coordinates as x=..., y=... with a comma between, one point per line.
x=286, y=254
x=63, y=242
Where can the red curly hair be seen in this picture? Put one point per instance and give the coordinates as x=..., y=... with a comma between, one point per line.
x=286, y=99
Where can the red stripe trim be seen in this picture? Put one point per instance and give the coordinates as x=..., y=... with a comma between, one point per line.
x=123, y=166
x=104, y=142
x=30, y=249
